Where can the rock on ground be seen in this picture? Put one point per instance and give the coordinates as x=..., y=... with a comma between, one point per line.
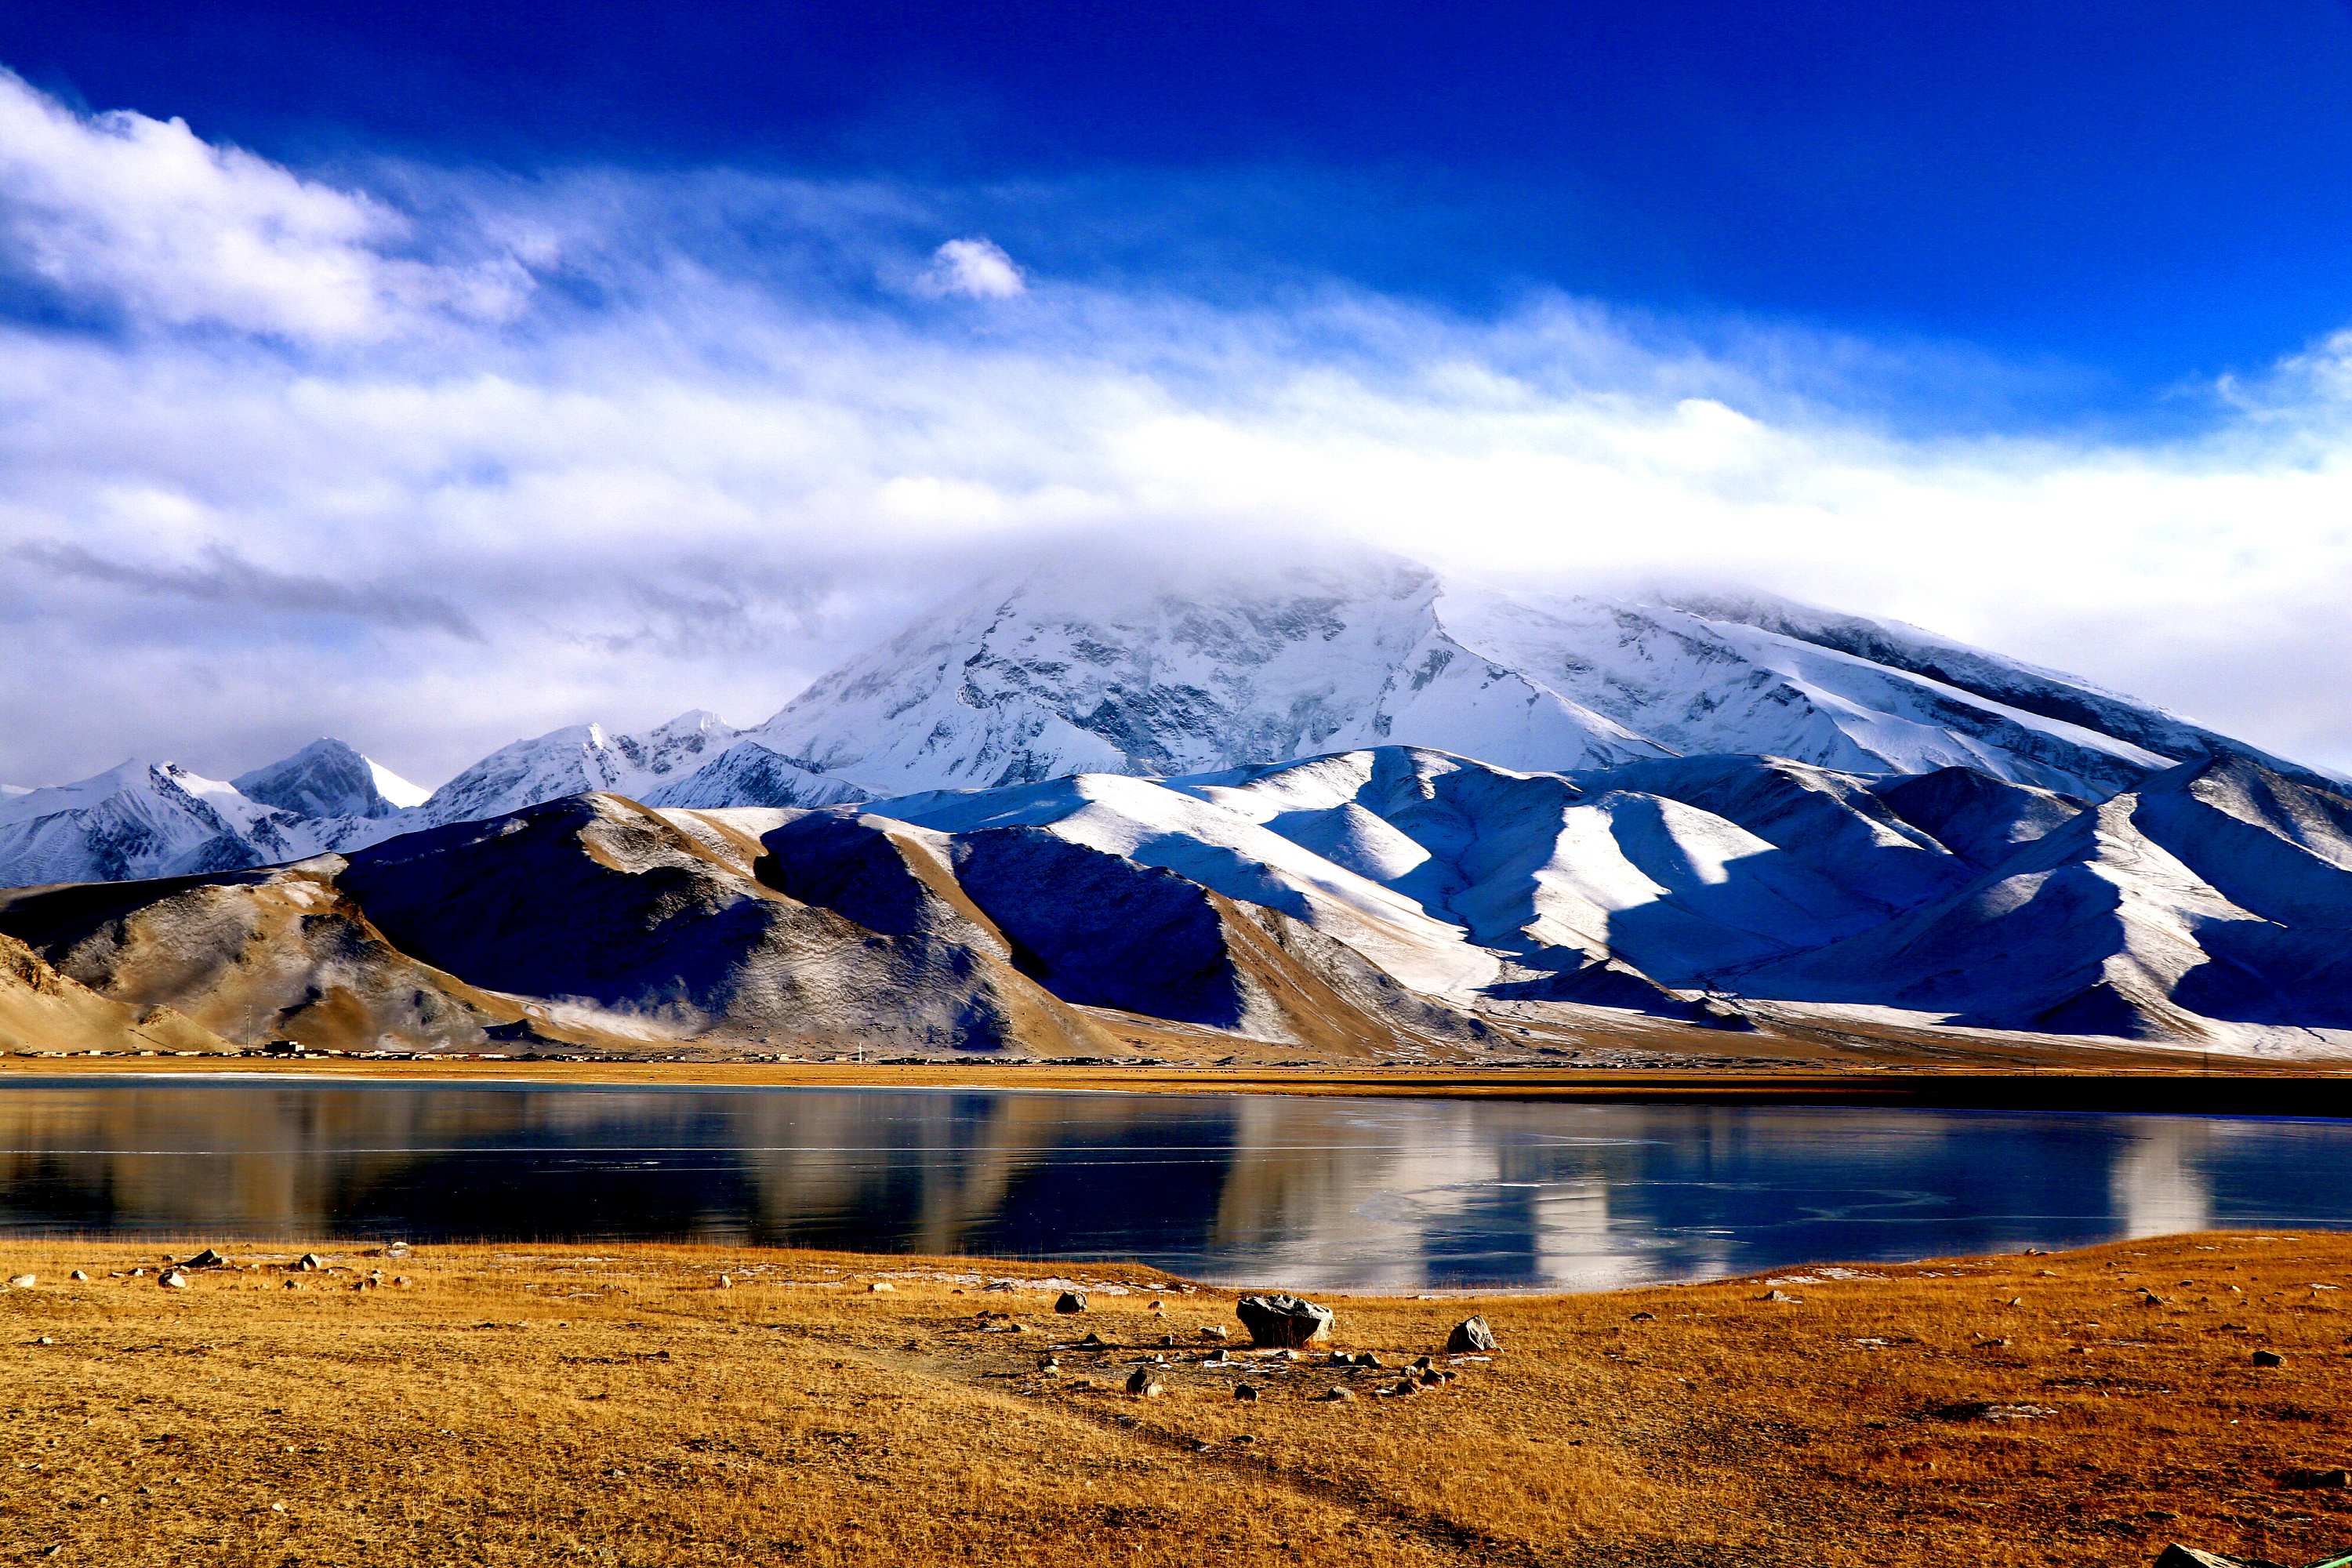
x=1469, y=1335
x=1284, y=1322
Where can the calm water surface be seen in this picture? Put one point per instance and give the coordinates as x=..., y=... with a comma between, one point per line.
x=1329, y=1194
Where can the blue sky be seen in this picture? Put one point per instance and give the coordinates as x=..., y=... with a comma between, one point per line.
x=2121, y=196
x=451, y=374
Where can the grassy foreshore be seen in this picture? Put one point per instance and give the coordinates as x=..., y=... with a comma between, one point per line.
x=619, y=1404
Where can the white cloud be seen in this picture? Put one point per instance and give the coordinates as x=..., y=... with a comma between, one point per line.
x=973, y=268
x=141, y=217
x=729, y=472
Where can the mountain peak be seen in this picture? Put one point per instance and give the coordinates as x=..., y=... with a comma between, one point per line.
x=1153, y=668
x=1077, y=667
x=329, y=778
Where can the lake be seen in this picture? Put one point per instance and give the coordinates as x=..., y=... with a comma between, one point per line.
x=1325, y=1194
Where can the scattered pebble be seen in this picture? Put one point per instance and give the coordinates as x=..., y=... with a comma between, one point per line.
x=1243, y=1391
x=1070, y=1302
x=880, y=1288
x=22, y=1282
x=2268, y=1358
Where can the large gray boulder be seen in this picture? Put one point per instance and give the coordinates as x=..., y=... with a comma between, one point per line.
x=1283, y=1322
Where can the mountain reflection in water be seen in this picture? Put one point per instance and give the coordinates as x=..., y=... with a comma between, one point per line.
x=1391, y=1194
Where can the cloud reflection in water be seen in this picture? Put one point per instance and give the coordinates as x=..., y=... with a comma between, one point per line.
x=1310, y=1193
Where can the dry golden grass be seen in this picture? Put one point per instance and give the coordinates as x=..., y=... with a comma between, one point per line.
x=566, y=1404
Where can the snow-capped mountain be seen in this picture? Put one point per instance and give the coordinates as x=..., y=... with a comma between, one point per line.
x=1075, y=670
x=144, y=819
x=572, y=760
x=1071, y=669
x=328, y=778
x=747, y=773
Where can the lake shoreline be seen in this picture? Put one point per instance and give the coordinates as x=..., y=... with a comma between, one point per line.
x=2240, y=1089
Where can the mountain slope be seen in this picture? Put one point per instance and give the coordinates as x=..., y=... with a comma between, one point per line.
x=625, y=921
x=41, y=1010
x=1071, y=668
x=1077, y=668
x=576, y=761
x=254, y=956
x=2113, y=924
x=2024, y=687
x=747, y=773
x=1100, y=929
x=1646, y=885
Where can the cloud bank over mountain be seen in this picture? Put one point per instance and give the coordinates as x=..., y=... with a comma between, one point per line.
x=429, y=457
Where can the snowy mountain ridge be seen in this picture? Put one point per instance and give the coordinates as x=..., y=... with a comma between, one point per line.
x=142, y=819
x=1073, y=668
